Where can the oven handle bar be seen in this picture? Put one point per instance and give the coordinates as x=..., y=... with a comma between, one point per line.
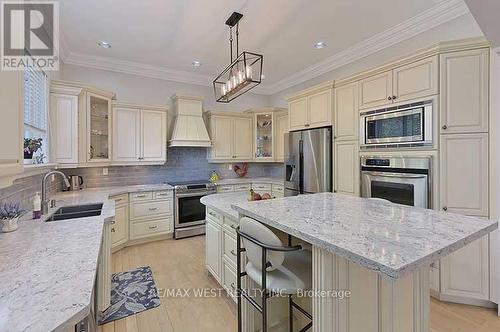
x=194, y=194
x=396, y=175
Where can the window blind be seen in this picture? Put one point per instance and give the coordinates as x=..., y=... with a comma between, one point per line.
x=35, y=99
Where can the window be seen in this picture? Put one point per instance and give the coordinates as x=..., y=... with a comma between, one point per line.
x=35, y=113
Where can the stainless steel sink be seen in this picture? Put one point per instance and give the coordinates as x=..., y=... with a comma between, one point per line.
x=76, y=211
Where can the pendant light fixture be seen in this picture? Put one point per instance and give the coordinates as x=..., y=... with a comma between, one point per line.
x=243, y=74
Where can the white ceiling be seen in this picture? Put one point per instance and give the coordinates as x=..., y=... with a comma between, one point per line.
x=163, y=37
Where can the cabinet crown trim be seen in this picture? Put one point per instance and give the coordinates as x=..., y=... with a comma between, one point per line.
x=77, y=85
x=314, y=89
x=120, y=104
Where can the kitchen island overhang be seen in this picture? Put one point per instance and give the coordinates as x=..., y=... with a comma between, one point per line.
x=380, y=251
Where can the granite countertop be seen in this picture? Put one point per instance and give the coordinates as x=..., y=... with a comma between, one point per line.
x=47, y=269
x=280, y=181
x=222, y=202
x=389, y=238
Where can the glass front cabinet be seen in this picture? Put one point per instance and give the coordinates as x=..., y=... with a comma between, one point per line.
x=98, y=131
x=263, y=126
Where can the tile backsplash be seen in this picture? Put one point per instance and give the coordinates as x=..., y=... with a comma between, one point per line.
x=23, y=190
x=183, y=164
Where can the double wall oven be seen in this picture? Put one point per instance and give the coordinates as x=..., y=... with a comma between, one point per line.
x=189, y=212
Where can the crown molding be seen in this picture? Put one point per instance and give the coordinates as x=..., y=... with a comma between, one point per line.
x=439, y=14
x=135, y=68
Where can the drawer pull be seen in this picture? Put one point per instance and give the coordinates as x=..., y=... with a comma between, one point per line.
x=212, y=214
x=113, y=230
x=118, y=199
x=113, y=222
x=233, y=253
x=233, y=286
x=141, y=196
x=153, y=209
x=153, y=227
x=233, y=226
x=163, y=194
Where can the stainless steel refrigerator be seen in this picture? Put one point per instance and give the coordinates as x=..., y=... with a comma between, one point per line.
x=308, y=161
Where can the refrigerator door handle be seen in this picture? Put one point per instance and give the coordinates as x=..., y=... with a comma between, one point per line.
x=301, y=163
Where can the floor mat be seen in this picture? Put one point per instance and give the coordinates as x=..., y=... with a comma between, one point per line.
x=131, y=292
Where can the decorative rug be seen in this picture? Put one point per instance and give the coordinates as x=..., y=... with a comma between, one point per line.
x=131, y=292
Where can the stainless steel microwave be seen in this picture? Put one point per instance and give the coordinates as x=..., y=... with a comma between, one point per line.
x=406, y=125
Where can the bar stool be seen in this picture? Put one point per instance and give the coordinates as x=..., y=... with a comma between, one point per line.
x=287, y=269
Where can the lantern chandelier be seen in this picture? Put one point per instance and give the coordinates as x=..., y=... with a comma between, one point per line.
x=243, y=74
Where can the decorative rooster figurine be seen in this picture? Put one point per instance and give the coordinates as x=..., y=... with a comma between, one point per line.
x=241, y=171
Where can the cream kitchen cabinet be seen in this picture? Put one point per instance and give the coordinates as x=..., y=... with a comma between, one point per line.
x=213, y=247
x=98, y=131
x=346, y=163
x=465, y=273
x=64, y=122
x=346, y=113
x=11, y=126
x=139, y=135
x=232, y=137
x=464, y=94
x=311, y=108
x=411, y=81
x=464, y=174
x=279, y=141
x=120, y=225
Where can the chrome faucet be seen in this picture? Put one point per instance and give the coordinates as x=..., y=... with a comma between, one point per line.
x=45, y=201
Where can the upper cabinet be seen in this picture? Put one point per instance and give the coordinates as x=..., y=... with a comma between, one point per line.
x=464, y=91
x=311, y=108
x=64, y=123
x=415, y=80
x=139, y=134
x=11, y=126
x=98, y=113
x=263, y=138
x=231, y=135
x=80, y=118
x=346, y=112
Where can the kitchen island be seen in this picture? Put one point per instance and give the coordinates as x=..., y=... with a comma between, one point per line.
x=379, y=251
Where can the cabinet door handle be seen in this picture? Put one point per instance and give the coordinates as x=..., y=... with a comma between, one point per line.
x=444, y=127
x=233, y=226
x=233, y=253
x=233, y=286
x=153, y=209
x=445, y=208
x=113, y=222
x=153, y=227
x=394, y=97
x=118, y=200
x=389, y=98
x=212, y=214
x=140, y=196
x=112, y=230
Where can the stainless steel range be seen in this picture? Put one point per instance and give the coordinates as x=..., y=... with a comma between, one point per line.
x=189, y=213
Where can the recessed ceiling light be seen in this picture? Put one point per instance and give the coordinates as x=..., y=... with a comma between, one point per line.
x=196, y=63
x=320, y=45
x=104, y=44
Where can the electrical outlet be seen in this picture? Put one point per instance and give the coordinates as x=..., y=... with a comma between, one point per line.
x=230, y=166
x=104, y=171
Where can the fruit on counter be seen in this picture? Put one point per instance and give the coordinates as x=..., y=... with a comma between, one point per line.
x=214, y=177
x=266, y=196
x=254, y=196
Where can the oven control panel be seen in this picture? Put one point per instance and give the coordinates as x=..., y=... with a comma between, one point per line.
x=378, y=162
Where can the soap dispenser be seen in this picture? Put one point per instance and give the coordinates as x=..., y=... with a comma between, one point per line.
x=37, y=206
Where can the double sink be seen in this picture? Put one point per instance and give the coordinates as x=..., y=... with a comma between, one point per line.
x=76, y=211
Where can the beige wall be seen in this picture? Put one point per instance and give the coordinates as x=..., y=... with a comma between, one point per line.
x=462, y=27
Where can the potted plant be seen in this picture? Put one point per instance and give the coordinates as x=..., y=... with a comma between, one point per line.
x=9, y=214
x=31, y=145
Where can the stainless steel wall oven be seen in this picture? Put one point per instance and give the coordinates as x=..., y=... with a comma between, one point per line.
x=401, y=180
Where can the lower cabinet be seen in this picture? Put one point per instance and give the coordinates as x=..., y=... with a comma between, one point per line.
x=262, y=188
x=139, y=216
x=104, y=270
x=278, y=191
x=213, y=248
x=119, y=228
x=346, y=163
x=465, y=273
